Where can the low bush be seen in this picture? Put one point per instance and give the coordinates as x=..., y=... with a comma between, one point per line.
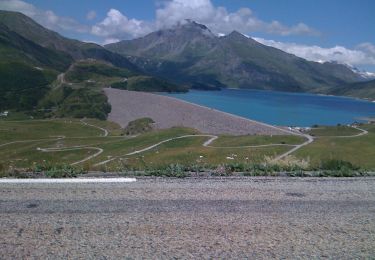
x=139, y=126
x=57, y=170
x=172, y=170
x=337, y=165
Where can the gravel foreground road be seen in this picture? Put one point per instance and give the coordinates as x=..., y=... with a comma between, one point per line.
x=258, y=218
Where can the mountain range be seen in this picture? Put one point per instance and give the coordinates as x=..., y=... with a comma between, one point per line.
x=34, y=62
x=190, y=53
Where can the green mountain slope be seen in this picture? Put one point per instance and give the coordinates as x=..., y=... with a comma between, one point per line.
x=364, y=90
x=190, y=53
x=32, y=57
x=29, y=29
x=26, y=69
x=78, y=92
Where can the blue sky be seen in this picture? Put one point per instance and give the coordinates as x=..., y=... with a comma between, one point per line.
x=319, y=30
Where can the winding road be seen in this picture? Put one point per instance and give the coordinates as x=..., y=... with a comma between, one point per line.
x=105, y=131
x=309, y=140
x=207, y=143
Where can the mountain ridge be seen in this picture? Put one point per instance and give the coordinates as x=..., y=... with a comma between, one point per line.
x=29, y=29
x=32, y=57
x=188, y=54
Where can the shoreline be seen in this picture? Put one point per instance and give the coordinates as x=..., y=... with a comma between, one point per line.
x=308, y=93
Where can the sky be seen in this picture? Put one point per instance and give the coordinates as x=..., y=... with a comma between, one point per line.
x=317, y=30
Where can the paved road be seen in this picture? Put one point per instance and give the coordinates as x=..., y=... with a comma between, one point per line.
x=211, y=218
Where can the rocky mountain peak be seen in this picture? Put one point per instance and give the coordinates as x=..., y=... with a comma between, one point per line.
x=190, y=26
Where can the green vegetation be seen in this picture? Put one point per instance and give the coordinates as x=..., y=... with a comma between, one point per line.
x=147, y=83
x=21, y=86
x=250, y=140
x=334, y=131
x=44, y=129
x=25, y=146
x=356, y=150
x=57, y=170
x=32, y=57
x=78, y=93
x=139, y=126
x=94, y=70
x=84, y=103
x=364, y=90
x=44, y=171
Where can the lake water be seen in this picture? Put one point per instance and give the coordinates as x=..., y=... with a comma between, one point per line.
x=283, y=108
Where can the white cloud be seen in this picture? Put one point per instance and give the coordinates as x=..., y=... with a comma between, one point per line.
x=91, y=15
x=363, y=54
x=218, y=19
x=117, y=25
x=46, y=18
x=367, y=47
x=110, y=40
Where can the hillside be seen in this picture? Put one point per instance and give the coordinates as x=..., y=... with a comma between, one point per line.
x=79, y=91
x=364, y=90
x=26, y=69
x=32, y=57
x=29, y=29
x=191, y=53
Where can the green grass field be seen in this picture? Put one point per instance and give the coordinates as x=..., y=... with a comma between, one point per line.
x=334, y=131
x=250, y=140
x=21, y=143
x=357, y=150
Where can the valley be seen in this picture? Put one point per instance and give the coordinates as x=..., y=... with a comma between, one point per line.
x=187, y=129
x=72, y=107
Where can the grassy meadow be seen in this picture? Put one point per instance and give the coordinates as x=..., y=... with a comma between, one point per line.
x=67, y=141
x=359, y=151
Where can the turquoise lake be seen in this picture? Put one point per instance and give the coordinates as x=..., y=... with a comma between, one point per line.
x=283, y=108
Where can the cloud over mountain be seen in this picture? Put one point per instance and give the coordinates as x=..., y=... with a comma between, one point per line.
x=218, y=19
x=116, y=26
x=47, y=18
x=363, y=54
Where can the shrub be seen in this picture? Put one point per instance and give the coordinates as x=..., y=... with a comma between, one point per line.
x=139, y=126
x=288, y=163
x=337, y=165
x=172, y=170
x=57, y=170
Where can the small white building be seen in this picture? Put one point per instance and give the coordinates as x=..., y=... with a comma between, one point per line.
x=5, y=113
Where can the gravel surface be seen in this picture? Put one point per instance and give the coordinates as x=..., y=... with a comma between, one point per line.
x=168, y=112
x=160, y=218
